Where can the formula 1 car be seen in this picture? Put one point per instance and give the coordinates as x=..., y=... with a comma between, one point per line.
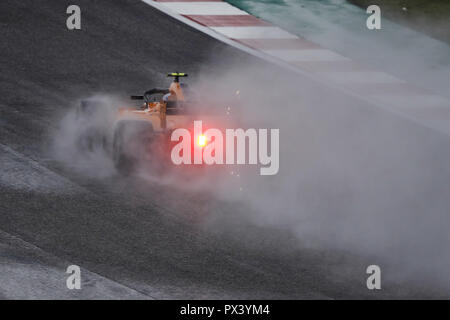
x=139, y=135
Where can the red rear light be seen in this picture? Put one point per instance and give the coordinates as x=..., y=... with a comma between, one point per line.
x=202, y=140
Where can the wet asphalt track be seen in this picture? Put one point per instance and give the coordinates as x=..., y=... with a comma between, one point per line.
x=151, y=245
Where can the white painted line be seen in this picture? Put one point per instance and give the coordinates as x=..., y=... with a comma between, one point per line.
x=366, y=77
x=203, y=8
x=254, y=33
x=224, y=39
x=282, y=63
x=20, y=279
x=34, y=176
x=306, y=55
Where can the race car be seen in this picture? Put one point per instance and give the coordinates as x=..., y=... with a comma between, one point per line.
x=139, y=135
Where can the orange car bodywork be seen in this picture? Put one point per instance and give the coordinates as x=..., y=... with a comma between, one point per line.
x=155, y=112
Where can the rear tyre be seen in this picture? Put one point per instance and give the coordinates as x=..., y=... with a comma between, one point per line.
x=93, y=118
x=132, y=145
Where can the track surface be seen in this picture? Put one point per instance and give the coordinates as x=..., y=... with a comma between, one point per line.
x=112, y=227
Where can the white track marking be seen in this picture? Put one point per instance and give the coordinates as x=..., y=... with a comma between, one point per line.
x=254, y=32
x=203, y=8
x=20, y=279
x=19, y=171
x=306, y=55
x=228, y=34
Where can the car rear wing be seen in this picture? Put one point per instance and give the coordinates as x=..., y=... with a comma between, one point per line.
x=149, y=93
